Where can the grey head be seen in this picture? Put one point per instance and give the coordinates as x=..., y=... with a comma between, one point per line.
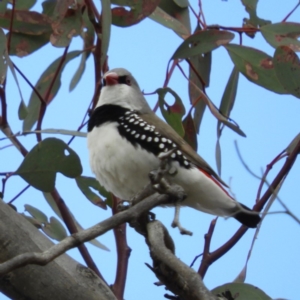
x=121, y=88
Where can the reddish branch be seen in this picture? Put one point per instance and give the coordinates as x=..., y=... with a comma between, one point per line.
x=289, y=14
x=211, y=257
x=70, y=223
x=123, y=252
x=47, y=95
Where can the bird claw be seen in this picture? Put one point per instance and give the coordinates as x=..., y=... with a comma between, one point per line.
x=177, y=224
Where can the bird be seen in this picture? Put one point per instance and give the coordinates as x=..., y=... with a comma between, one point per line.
x=125, y=138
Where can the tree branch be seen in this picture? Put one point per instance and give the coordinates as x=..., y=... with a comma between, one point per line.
x=78, y=238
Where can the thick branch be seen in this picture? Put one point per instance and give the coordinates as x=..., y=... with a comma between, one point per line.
x=82, y=236
x=62, y=279
x=178, y=277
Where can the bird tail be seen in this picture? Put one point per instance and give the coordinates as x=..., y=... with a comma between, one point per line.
x=247, y=216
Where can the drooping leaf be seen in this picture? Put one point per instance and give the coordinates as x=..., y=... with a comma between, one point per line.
x=48, y=7
x=55, y=230
x=67, y=28
x=106, y=21
x=163, y=18
x=226, y=106
x=60, y=10
x=229, y=94
x=200, y=67
x=22, y=111
x=22, y=44
x=3, y=57
x=218, y=155
x=88, y=37
x=42, y=86
x=282, y=34
x=48, y=157
x=28, y=22
x=213, y=109
x=287, y=69
x=254, y=20
x=202, y=42
x=290, y=148
x=172, y=113
x=36, y=213
x=190, y=134
x=24, y=5
x=139, y=10
x=243, y=290
x=175, y=15
x=3, y=5
x=256, y=65
x=85, y=184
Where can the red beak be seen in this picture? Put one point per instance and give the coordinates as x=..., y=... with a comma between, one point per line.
x=112, y=78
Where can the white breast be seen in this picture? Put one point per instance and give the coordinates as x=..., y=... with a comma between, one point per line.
x=120, y=167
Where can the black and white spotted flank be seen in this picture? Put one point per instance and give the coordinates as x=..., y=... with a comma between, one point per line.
x=133, y=128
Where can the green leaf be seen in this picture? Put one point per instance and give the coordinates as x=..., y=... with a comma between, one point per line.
x=229, y=94
x=22, y=44
x=218, y=155
x=178, y=10
x=287, y=68
x=202, y=65
x=290, y=148
x=67, y=28
x=172, y=113
x=3, y=5
x=256, y=66
x=22, y=111
x=282, y=34
x=24, y=5
x=243, y=290
x=36, y=213
x=42, y=86
x=254, y=21
x=88, y=36
x=163, y=18
x=85, y=184
x=48, y=157
x=202, y=42
x=55, y=229
x=139, y=10
x=226, y=106
x=190, y=134
x=106, y=20
x=29, y=22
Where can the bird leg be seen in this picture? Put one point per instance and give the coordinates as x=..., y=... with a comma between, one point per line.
x=176, y=222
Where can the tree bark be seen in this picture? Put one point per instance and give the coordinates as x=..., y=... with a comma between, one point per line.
x=61, y=279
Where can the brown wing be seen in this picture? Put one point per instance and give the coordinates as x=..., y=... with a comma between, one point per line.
x=167, y=131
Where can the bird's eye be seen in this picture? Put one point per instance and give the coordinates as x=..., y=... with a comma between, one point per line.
x=128, y=81
x=103, y=82
x=125, y=80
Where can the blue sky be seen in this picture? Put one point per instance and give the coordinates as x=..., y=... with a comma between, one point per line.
x=270, y=122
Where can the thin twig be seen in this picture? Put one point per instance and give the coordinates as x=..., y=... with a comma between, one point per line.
x=123, y=253
x=290, y=13
x=215, y=255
